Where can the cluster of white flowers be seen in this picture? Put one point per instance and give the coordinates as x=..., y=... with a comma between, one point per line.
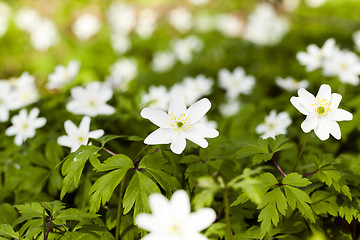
x=335, y=62
x=265, y=26
x=63, y=75
x=229, y=25
x=122, y=72
x=184, y=48
x=146, y=23
x=291, y=84
x=85, y=26
x=5, y=14
x=236, y=83
x=43, y=31
x=274, y=124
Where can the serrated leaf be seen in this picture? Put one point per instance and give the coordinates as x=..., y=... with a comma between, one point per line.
x=279, y=144
x=104, y=139
x=267, y=180
x=299, y=199
x=7, y=231
x=332, y=177
x=350, y=209
x=296, y=180
x=75, y=214
x=31, y=209
x=324, y=202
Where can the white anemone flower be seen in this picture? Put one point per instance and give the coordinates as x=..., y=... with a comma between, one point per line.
x=156, y=97
x=184, y=48
x=63, y=75
x=86, y=26
x=236, y=83
x=123, y=71
x=322, y=112
x=147, y=23
x=179, y=123
x=291, y=84
x=181, y=19
x=77, y=136
x=275, y=124
x=120, y=43
x=25, y=90
x=163, y=61
x=173, y=220
x=7, y=100
x=91, y=100
x=24, y=125
x=229, y=25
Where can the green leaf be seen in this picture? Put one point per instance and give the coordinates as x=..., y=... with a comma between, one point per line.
x=299, y=199
x=75, y=214
x=7, y=213
x=137, y=192
x=333, y=177
x=260, y=152
x=206, y=196
x=104, y=139
x=324, y=202
x=104, y=187
x=296, y=180
x=268, y=180
x=350, y=209
x=280, y=144
x=7, y=231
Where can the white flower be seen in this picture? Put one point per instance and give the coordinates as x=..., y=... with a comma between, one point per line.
x=204, y=22
x=356, y=39
x=265, y=27
x=45, y=35
x=173, y=220
x=275, y=124
x=179, y=124
x=5, y=12
x=27, y=19
x=77, y=136
x=122, y=72
x=229, y=25
x=25, y=90
x=86, y=26
x=184, y=48
x=63, y=75
x=121, y=17
x=181, y=19
x=163, y=61
x=7, y=100
x=291, y=84
x=24, y=125
x=194, y=88
x=157, y=97
x=315, y=3
x=91, y=101
x=345, y=65
x=315, y=57
x=120, y=43
x=291, y=5
x=229, y=108
x=146, y=24
x=321, y=112
x=236, y=83
x=198, y=2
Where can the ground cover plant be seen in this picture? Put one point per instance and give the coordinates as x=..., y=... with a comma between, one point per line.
x=179, y=120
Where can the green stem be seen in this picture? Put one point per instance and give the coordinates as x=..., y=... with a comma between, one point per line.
x=227, y=213
x=141, y=152
x=119, y=214
x=301, y=151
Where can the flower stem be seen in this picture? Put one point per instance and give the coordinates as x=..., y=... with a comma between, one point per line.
x=278, y=167
x=227, y=213
x=119, y=214
x=108, y=151
x=301, y=151
x=48, y=229
x=44, y=220
x=309, y=174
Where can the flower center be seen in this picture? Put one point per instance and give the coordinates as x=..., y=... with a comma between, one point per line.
x=322, y=107
x=180, y=123
x=343, y=66
x=25, y=126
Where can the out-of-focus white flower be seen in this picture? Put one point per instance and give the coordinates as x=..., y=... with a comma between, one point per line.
x=173, y=220
x=315, y=3
x=86, y=26
x=265, y=27
x=121, y=17
x=236, y=83
x=7, y=100
x=275, y=124
x=77, y=136
x=229, y=25
x=63, y=75
x=163, y=61
x=91, y=100
x=345, y=65
x=229, y=108
x=120, y=43
x=179, y=123
x=322, y=112
x=315, y=57
x=122, y=72
x=356, y=39
x=146, y=23
x=44, y=35
x=24, y=125
x=27, y=19
x=291, y=5
x=291, y=84
x=181, y=19
x=5, y=13
x=204, y=23
x=184, y=48
x=25, y=90
x=157, y=97
x=194, y=88
x=198, y=2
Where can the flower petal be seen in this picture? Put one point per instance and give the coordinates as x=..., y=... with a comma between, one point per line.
x=157, y=117
x=198, y=110
x=322, y=132
x=333, y=127
x=85, y=124
x=70, y=127
x=306, y=98
x=65, y=141
x=96, y=133
x=159, y=205
x=177, y=103
x=145, y=221
x=201, y=219
x=324, y=92
x=340, y=115
x=196, y=139
x=310, y=123
x=178, y=143
x=180, y=205
x=296, y=102
x=159, y=136
x=204, y=131
x=335, y=100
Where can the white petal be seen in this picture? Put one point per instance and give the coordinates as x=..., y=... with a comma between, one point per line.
x=157, y=117
x=335, y=100
x=322, y=132
x=178, y=143
x=177, y=103
x=306, y=99
x=159, y=136
x=261, y=128
x=180, y=204
x=40, y=122
x=11, y=131
x=333, y=127
x=324, y=92
x=19, y=140
x=202, y=219
x=198, y=110
x=96, y=133
x=70, y=127
x=204, y=131
x=340, y=115
x=196, y=139
x=106, y=109
x=145, y=221
x=310, y=123
x=34, y=113
x=296, y=102
x=85, y=124
x=65, y=141
x=159, y=205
